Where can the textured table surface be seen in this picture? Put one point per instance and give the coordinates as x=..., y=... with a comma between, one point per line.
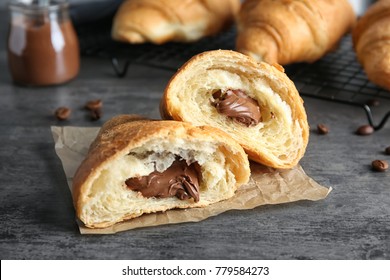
x=37, y=217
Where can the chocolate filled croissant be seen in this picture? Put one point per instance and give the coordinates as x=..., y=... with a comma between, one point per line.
x=143, y=166
x=256, y=103
x=161, y=21
x=371, y=39
x=288, y=31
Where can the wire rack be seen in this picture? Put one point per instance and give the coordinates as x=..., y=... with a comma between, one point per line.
x=337, y=77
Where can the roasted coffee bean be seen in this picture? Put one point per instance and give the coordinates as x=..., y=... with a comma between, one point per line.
x=373, y=102
x=62, y=113
x=365, y=130
x=387, y=151
x=94, y=104
x=96, y=114
x=380, y=165
x=322, y=129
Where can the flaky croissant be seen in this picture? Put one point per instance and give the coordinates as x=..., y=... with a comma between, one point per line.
x=143, y=166
x=160, y=21
x=371, y=39
x=255, y=103
x=288, y=31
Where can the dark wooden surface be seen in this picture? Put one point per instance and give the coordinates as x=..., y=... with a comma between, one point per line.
x=37, y=216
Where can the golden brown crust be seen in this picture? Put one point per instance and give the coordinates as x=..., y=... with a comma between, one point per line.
x=248, y=68
x=117, y=120
x=292, y=31
x=161, y=21
x=120, y=135
x=371, y=39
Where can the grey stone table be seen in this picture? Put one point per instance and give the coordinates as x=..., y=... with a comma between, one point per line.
x=37, y=218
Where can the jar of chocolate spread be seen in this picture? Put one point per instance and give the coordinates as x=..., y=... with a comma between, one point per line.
x=43, y=47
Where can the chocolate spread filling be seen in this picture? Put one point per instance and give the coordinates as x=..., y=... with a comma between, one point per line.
x=180, y=180
x=237, y=105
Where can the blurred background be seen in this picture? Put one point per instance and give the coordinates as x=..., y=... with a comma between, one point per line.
x=359, y=5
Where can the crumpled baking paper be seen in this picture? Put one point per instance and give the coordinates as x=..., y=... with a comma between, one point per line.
x=266, y=186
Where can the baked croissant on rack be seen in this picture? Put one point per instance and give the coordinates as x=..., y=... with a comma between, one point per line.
x=371, y=39
x=161, y=21
x=143, y=166
x=289, y=31
x=256, y=103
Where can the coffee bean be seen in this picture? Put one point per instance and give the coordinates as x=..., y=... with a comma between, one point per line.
x=62, y=113
x=373, y=102
x=365, y=130
x=96, y=114
x=94, y=104
x=380, y=165
x=322, y=129
x=387, y=151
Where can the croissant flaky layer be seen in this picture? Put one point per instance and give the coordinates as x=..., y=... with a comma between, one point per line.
x=288, y=31
x=143, y=166
x=371, y=39
x=161, y=21
x=256, y=103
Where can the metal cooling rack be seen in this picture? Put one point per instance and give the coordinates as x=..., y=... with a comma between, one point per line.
x=337, y=77
x=169, y=56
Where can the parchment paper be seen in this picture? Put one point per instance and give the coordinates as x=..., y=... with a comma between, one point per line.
x=266, y=186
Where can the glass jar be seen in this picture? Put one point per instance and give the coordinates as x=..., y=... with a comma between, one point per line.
x=43, y=48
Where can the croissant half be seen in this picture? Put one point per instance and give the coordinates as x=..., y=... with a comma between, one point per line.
x=255, y=103
x=161, y=21
x=288, y=31
x=371, y=39
x=136, y=166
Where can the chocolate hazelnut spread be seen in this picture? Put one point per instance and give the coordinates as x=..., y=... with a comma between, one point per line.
x=42, y=45
x=237, y=105
x=180, y=180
